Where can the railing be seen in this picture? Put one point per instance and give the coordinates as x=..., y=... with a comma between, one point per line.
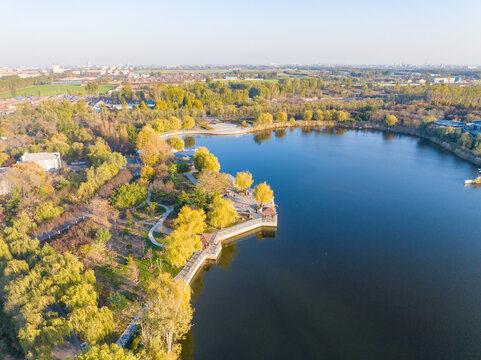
x=130, y=329
x=196, y=261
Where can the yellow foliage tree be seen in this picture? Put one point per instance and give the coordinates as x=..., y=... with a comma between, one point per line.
x=263, y=194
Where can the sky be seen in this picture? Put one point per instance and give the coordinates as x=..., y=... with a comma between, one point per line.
x=188, y=32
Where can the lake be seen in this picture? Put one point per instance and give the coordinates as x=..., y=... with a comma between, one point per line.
x=376, y=256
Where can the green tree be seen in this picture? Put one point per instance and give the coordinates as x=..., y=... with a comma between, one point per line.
x=128, y=195
x=47, y=211
x=390, y=120
x=221, y=212
x=263, y=194
x=103, y=235
x=243, y=180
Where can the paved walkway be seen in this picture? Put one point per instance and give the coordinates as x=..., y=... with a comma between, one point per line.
x=160, y=223
x=191, y=177
x=218, y=129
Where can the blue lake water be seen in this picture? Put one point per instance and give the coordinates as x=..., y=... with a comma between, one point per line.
x=377, y=254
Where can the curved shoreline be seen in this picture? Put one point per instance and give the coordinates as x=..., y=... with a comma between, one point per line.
x=401, y=130
x=212, y=252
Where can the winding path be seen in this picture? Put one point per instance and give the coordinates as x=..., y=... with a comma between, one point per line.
x=160, y=222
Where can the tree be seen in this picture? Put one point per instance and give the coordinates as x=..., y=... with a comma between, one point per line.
x=391, y=120
x=204, y=160
x=319, y=115
x=180, y=245
x=103, y=235
x=47, y=211
x=188, y=122
x=167, y=317
x=307, y=116
x=105, y=352
x=191, y=220
x=128, y=195
x=243, y=180
x=263, y=194
x=176, y=143
x=281, y=116
x=263, y=119
x=147, y=173
x=212, y=182
x=92, y=88
x=221, y=212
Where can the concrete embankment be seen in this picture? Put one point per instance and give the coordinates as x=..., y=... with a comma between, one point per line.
x=213, y=250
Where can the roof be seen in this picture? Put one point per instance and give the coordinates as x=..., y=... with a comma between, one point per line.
x=40, y=156
x=449, y=123
x=205, y=238
x=269, y=211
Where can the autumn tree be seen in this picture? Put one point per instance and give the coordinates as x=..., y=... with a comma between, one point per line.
x=212, y=182
x=307, y=116
x=204, y=160
x=188, y=122
x=221, y=212
x=105, y=352
x=184, y=240
x=191, y=220
x=167, y=317
x=180, y=245
x=281, y=116
x=176, y=143
x=243, y=180
x=390, y=120
x=263, y=119
x=263, y=194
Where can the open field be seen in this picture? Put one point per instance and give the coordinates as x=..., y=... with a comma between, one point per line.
x=52, y=90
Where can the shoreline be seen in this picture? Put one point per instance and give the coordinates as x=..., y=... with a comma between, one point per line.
x=401, y=130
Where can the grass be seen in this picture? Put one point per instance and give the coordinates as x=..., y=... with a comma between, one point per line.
x=52, y=90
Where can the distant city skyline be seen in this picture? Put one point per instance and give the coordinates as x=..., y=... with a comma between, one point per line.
x=349, y=32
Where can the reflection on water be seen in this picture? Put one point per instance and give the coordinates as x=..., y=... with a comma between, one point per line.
x=281, y=133
x=388, y=136
x=377, y=253
x=228, y=254
x=189, y=142
x=261, y=136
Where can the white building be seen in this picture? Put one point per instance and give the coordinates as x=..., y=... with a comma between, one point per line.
x=56, y=69
x=47, y=161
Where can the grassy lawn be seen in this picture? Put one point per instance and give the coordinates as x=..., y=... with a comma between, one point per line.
x=52, y=90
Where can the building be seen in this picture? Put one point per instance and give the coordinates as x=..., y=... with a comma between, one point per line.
x=56, y=69
x=47, y=161
x=450, y=123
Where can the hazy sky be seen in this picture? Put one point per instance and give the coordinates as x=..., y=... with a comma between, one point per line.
x=42, y=32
